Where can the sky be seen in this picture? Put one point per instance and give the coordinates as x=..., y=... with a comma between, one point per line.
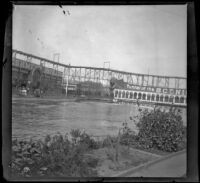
x=149, y=39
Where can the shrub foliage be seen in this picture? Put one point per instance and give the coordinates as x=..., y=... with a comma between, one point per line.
x=55, y=156
x=162, y=130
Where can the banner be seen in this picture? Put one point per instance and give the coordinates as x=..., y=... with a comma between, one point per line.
x=170, y=91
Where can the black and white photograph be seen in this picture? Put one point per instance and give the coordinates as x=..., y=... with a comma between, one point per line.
x=99, y=91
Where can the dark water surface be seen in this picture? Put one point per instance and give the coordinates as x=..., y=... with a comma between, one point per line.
x=37, y=117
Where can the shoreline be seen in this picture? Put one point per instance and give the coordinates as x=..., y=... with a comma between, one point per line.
x=94, y=99
x=63, y=98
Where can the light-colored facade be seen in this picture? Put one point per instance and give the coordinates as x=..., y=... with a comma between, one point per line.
x=149, y=97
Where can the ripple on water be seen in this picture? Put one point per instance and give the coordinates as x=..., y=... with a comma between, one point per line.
x=31, y=118
x=45, y=106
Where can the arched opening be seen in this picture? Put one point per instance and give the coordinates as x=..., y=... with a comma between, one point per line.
x=166, y=98
x=171, y=99
x=161, y=98
x=135, y=95
x=153, y=97
x=144, y=96
x=127, y=93
x=182, y=100
x=131, y=95
x=123, y=94
x=148, y=97
x=116, y=93
x=177, y=99
x=139, y=96
x=157, y=98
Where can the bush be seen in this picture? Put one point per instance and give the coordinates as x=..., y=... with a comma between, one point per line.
x=108, y=140
x=162, y=130
x=83, y=138
x=55, y=156
x=128, y=136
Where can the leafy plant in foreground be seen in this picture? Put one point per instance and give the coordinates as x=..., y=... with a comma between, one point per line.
x=55, y=156
x=162, y=130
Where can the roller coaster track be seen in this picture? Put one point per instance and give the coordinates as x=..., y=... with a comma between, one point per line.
x=77, y=74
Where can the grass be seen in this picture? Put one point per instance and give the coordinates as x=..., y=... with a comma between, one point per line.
x=126, y=159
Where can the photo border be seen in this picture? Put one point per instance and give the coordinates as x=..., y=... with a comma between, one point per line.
x=192, y=92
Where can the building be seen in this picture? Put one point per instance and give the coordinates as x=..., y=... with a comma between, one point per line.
x=164, y=98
